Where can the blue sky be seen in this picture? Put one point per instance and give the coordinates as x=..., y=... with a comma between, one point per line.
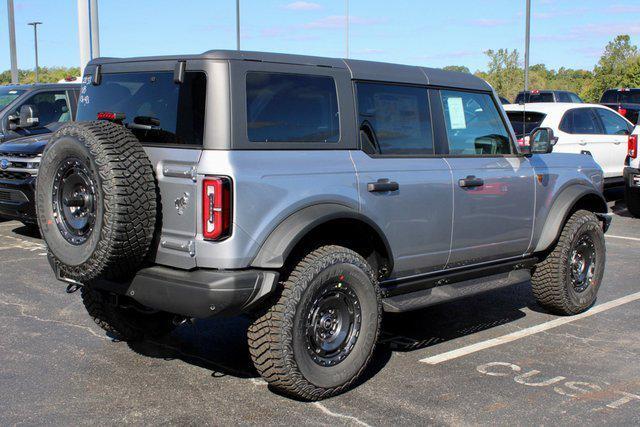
x=432, y=33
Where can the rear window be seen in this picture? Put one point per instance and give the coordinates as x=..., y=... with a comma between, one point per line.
x=609, y=97
x=629, y=97
x=292, y=108
x=156, y=109
x=524, y=123
x=534, y=97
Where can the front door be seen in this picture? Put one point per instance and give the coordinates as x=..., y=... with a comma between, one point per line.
x=402, y=186
x=493, y=187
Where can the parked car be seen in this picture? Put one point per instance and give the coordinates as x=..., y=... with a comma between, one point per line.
x=624, y=101
x=632, y=175
x=311, y=193
x=536, y=96
x=504, y=101
x=28, y=110
x=586, y=128
x=28, y=115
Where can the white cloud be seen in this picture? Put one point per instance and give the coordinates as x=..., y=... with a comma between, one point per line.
x=303, y=5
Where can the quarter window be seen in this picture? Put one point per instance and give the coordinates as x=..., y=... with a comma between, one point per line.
x=474, y=125
x=613, y=124
x=395, y=119
x=580, y=121
x=292, y=108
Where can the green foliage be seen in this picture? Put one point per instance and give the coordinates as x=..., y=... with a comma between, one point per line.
x=619, y=66
x=45, y=75
x=457, y=68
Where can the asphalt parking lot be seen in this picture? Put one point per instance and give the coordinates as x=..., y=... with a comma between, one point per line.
x=495, y=359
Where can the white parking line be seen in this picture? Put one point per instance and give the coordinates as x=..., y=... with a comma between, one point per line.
x=635, y=239
x=473, y=348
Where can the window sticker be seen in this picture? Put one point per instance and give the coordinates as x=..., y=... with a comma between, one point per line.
x=456, y=113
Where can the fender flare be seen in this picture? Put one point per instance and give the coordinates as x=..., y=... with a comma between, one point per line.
x=283, y=239
x=560, y=210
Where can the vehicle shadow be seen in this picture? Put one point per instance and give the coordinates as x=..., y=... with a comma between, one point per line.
x=620, y=209
x=220, y=345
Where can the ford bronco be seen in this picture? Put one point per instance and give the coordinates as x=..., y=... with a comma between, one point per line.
x=311, y=194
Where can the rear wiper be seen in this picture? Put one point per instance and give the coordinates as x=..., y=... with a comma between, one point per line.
x=144, y=123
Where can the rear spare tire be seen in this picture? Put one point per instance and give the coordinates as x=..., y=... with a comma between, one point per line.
x=96, y=201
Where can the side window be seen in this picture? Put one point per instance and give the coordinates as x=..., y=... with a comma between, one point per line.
x=395, y=119
x=580, y=121
x=575, y=98
x=292, y=108
x=51, y=107
x=563, y=97
x=474, y=125
x=613, y=124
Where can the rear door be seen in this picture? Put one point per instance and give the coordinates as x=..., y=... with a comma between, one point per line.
x=616, y=136
x=581, y=131
x=168, y=118
x=493, y=187
x=403, y=187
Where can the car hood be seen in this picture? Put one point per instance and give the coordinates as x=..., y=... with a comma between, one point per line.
x=27, y=145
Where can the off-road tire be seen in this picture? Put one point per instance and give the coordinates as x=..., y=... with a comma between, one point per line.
x=276, y=338
x=551, y=278
x=125, y=205
x=125, y=324
x=632, y=200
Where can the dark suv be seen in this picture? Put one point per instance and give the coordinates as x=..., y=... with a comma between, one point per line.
x=547, y=96
x=28, y=115
x=624, y=101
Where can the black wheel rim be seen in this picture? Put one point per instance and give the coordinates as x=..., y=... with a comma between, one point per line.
x=333, y=323
x=583, y=263
x=74, y=201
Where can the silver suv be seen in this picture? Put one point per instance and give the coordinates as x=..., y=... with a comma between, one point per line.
x=311, y=194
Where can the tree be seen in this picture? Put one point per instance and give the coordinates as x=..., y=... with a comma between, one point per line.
x=45, y=75
x=457, y=68
x=611, y=68
x=504, y=72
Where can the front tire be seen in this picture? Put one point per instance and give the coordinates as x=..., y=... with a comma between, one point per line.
x=566, y=282
x=632, y=200
x=319, y=335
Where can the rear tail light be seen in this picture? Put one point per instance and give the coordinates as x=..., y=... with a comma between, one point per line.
x=622, y=111
x=216, y=208
x=633, y=146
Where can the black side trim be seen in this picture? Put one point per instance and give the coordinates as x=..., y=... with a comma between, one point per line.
x=396, y=287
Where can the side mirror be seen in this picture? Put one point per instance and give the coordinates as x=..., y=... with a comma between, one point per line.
x=28, y=116
x=542, y=141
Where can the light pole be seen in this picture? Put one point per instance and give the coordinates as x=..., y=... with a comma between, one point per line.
x=35, y=41
x=12, y=43
x=346, y=23
x=527, y=43
x=238, y=24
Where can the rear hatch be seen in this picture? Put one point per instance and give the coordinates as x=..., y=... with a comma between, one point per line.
x=168, y=118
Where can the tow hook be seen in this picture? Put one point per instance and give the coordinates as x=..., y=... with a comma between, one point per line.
x=73, y=287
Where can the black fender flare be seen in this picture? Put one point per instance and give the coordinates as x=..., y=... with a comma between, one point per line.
x=560, y=210
x=283, y=239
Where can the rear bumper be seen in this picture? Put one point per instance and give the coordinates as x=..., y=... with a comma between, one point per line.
x=17, y=199
x=632, y=177
x=197, y=293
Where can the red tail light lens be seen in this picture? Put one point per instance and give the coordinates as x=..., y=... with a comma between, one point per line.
x=110, y=116
x=633, y=146
x=622, y=111
x=216, y=208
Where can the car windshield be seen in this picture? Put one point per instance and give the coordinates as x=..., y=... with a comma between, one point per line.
x=524, y=123
x=534, y=97
x=7, y=95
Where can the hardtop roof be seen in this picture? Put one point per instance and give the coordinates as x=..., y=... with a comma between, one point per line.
x=359, y=70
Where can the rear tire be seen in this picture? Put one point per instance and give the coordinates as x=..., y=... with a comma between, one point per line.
x=566, y=282
x=319, y=334
x=126, y=324
x=632, y=200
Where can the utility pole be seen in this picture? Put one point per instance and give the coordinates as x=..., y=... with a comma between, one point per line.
x=35, y=43
x=346, y=24
x=12, y=43
x=527, y=42
x=238, y=24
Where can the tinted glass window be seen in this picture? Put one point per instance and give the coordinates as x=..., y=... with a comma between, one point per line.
x=51, y=107
x=563, y=97
x=524, y=123
x=609, y=97
x=534, y=97
x=474, y=125
x=7, y=96
x=613, y=124
x=630, y=97
x=291, y=108
x=397, y=117
x=156, y=109
x=580, y=121
x=575, y=98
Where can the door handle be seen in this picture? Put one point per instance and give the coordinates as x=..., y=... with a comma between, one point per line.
x=582, y=142
x=617, y=142
x=470, y=181
x=383, y=185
